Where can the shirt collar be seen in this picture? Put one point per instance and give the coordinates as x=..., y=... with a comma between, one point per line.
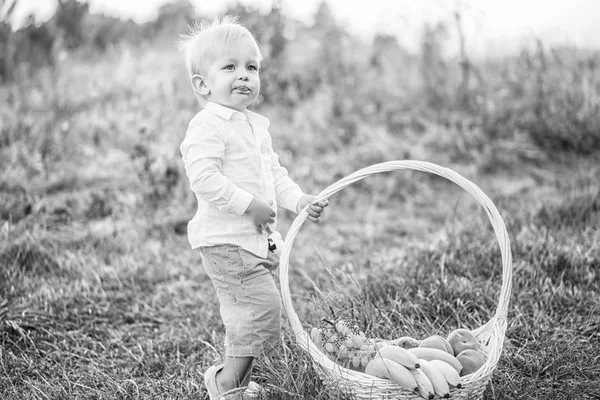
x=229, y=113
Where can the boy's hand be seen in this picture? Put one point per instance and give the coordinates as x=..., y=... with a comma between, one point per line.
x=315, y=209
x=261, y=214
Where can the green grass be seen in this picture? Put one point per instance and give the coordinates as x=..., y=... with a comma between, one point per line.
x=101, y=297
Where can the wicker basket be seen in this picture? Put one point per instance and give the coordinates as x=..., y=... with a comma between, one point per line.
x=490, y=336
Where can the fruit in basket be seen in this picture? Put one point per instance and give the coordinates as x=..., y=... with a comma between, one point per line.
x=462, y=339
x=343, y=351
x=319, y=342
x=437, y=379
x=358, y=340
x=364, y=361
x=388, y=369
x=348, y=342
x=436, y=354
x=333, y=337
x=315, y=334
x=368, y=348
x=452, y=377
x=340, y=341
x=437, y=342
x=342, y=326
x=471, y=360
x=406, y=342
x=318, y=338
x=399, y=355
x=425, y=386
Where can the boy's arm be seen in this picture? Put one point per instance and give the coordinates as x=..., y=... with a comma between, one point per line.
x=291, y=197
x=288, y=193
x=203, y=152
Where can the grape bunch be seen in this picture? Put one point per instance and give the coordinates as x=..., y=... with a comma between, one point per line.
x=343, y=342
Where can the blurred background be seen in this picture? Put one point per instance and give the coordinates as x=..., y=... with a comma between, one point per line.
x=509, y=89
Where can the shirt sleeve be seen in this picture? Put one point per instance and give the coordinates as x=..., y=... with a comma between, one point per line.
x=203, y=153
x=288, y=193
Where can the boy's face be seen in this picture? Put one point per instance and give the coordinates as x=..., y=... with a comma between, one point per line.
x=232, y=79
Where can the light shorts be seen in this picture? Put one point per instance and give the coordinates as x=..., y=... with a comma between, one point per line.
x=250, y=302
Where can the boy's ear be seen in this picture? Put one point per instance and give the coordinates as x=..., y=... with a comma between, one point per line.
x=199, y=85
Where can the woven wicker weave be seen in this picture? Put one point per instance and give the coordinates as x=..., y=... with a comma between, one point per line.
x=490, y=336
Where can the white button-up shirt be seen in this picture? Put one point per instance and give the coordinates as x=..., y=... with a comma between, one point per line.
x=229, y=159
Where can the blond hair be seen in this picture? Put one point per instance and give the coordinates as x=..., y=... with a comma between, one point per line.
x=204, y=41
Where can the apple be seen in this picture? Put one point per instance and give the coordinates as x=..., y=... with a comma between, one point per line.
x=462, y=339
x=471, y=360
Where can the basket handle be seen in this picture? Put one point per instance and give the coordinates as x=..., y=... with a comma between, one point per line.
x=470, y=187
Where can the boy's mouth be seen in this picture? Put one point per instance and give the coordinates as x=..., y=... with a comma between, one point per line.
x=242, y=89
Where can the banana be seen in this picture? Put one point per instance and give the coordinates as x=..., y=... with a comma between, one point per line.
x=388, y=369
x=450, y=374
x=440, y=386
x=429, y=354
x=400, y=355
x=425, y=386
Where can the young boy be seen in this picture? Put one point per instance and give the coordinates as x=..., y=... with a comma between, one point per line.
x=238, y=183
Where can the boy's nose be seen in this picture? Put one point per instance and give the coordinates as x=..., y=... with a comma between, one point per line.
x=243, y=75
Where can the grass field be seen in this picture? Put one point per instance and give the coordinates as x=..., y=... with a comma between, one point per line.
x=101, y=297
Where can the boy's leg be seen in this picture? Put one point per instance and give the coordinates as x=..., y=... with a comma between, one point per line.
x=235, y=373
x=262, y=295
x=250, y=306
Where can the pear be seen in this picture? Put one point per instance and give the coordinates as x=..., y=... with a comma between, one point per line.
x=437, y=342
x=462, y=339
x=471, y=360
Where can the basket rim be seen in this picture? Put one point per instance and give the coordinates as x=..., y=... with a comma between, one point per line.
x=496, y=325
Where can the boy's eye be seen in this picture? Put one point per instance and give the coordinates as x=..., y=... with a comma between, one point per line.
x=229, y=67
x=252, y=67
